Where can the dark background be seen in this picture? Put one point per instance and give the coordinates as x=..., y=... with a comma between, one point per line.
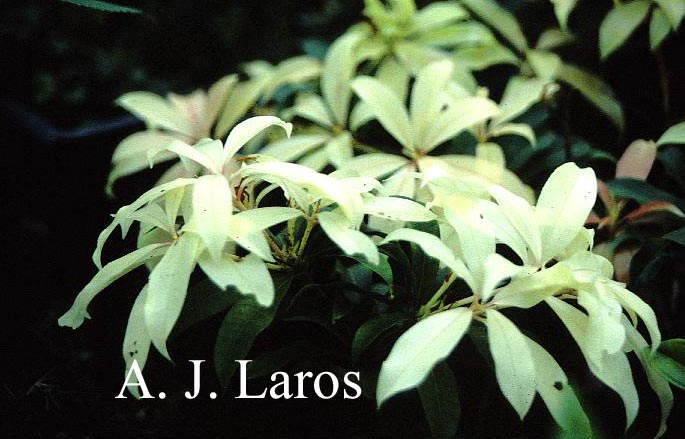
x=62, y=67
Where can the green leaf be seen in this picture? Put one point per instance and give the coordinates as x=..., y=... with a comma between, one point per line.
x=674, y=11
x=519, y=95
x=615, y=369
x=619, y=23
x=562, y=9
x=553, y=386
x=500, y=19
x=440, y=401
x=370, y=330
x=514, y=366
x=417, y=350
x=104, y=6
x=659, y=28
x=658, y=383
x=674, y=348
x=641, y=191
x=203, y=300
x=594, y=90
x=675, y=134
x=241, y=326
x=670, y=368
x=383, y=268
x=677, y=236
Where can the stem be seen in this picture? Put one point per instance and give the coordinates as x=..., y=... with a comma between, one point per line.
x=305, y=237
x=425, y=310
x=364, y=147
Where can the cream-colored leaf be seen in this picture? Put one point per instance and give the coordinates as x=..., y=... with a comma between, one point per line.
x=291, y=148
x=339, y=149
x=461, y=115
x=264, y=217
x=419, y=349
x=248, y=129
x=427, y=95
x=241, y=98
x=604, y=334
x=340, y=65
x=212, y=209
x=313, y=108
x=544, y=63
x=136, y=340
x=167, y=288
x=519, y=213
x=561, y=401
x=248, y=275
x=514, y=366
x=432, y=246
x=394, y=208
x=156, y=112
x=387, y=107
x=103, y=278
x=376, y=165
x=519, y=95
x=352, y=242
x=564, y=203
x=615, y=369
x=316, y=183
x=528, y=291
x=514, y=129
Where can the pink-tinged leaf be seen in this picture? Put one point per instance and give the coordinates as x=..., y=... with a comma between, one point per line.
x=643, y=212
x=637, y=160
x=604, y=194
x=622, y=260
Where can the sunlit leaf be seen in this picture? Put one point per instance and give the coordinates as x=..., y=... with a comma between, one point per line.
x=167, y=288
x=594, y=90
x=417, y=351
x=675, y=134
x=105, y=277
x=553, y=386
x=619, y=23
x=155, y=111
x=500, y=19
x=659, y=28
x=136, y=339
x=387, y=107
x=514, y=366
